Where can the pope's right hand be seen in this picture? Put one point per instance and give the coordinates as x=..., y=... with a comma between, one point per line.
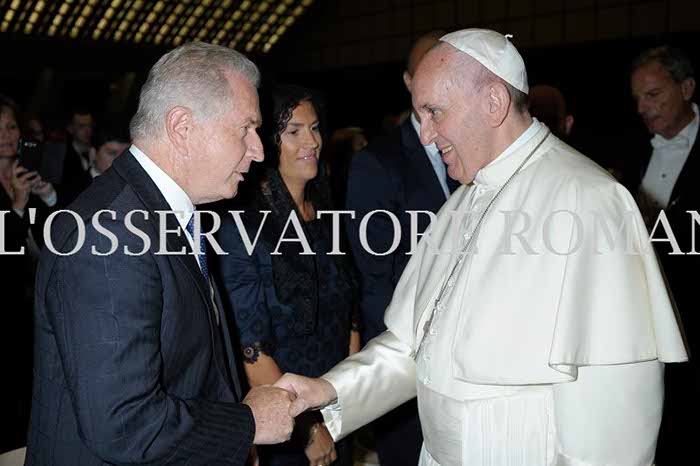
x=310, y=393
x=271, y=407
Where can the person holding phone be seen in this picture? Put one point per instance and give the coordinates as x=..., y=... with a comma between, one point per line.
x=20, y=190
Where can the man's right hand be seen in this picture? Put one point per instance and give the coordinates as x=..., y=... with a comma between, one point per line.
x=310, y=393
x=271, y=406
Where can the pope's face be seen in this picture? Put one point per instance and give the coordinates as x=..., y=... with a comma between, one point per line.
x=450, y=111
x=662, y=102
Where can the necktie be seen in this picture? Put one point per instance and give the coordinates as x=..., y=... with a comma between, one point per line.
x=202, y=258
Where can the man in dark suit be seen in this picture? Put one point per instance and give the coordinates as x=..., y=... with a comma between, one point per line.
x=134, y=360
x=76, y=163
x=398, y=174
x=666, y=179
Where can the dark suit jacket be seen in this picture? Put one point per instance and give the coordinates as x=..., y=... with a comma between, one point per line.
x=393, y=173
x=130, y=366
x=684, y=197
x=682, y=381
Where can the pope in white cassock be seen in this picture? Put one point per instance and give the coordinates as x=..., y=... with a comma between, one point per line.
x=532, y=321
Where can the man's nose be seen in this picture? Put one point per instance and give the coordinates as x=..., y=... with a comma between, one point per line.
x=255, y=149
x=642, y=105
x=427, y=132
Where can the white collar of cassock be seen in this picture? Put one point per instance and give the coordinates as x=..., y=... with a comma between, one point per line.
x=502, y=167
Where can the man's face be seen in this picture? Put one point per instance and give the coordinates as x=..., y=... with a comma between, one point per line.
x=663, y=103
x=450, y=114
x=81, y=127
x=106, y=154
x=224, y=148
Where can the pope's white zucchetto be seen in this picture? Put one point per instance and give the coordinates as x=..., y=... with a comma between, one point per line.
x=494, y=51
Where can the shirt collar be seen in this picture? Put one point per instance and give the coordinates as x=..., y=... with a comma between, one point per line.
x=431, y=148
x=503, y=166
x=684, y=139
x=174, y=195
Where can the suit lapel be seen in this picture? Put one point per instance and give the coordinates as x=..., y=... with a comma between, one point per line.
x=686, y=180
x=228, y=342
x=144, y=187
x=419, y=164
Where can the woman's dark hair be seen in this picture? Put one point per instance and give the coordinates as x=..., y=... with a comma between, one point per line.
x=7, y=103
x=277, y=106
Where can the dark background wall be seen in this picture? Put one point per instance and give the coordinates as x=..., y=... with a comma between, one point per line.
x=354, y=50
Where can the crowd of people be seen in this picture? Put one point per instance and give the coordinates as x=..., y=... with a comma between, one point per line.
x=143, y=358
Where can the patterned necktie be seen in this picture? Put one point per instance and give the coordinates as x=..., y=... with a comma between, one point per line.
x=202, y=258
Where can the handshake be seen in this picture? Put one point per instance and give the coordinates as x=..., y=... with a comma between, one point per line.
x=275, y=406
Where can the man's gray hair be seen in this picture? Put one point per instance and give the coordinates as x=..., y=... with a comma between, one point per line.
x=673, y=60
x=193, y=76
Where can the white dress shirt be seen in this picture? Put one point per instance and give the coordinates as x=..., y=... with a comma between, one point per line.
x=177, y=199
x=434, y=157
x=174, y=195
x=667, y=162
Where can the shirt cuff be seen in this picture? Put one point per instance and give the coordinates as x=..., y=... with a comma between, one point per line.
x=50, y=199
x=332, y=416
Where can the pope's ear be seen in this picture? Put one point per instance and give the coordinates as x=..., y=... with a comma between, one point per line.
x=498, y=103
x=178, y=127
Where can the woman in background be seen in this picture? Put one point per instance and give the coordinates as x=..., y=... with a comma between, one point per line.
x=293, y=311
x=20, y=190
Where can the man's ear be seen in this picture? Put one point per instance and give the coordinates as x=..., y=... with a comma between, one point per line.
x=568, y=124
x=688, y=88
x=407, y=78
x=498, y=103
x=178, y=127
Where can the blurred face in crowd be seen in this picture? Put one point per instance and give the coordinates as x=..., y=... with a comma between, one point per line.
x=81, y=127
x=452, y=111
x=36, y=131
x=300, y=144
x=359, y=142
x=663, y=103
x=223, y=149
x=9, y=133
x=106, y=154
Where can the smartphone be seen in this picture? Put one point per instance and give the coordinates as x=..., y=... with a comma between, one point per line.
x=30, y=154
x=46, y=158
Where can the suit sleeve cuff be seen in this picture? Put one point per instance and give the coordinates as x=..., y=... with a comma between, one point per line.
x=221, y=431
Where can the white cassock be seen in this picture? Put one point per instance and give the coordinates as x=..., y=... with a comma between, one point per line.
x=548, y=345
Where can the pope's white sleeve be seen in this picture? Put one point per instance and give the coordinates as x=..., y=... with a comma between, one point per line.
x=369, y=384
x=610, y=415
